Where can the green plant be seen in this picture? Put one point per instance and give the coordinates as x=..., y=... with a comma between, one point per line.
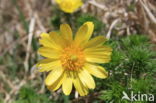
x=29, y=95
x=86, y=17
x=132, y=68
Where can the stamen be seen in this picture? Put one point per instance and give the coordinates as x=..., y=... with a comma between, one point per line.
x=72, y=58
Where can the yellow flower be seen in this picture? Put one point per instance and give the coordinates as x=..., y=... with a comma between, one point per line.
x=71, y=61
x=69, y=6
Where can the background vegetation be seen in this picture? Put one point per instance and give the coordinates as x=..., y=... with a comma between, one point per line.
x=130, y=25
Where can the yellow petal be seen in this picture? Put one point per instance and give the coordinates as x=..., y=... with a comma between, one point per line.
x=97, y=60
x=84, y=33
x=98, y=49
x=58, y=39
x=67, y=84
x=49, y=52
x=97, y=71
x=58, y=1
x=69, y=6
x=90, y=30
x=99, y=40
x=53, y=76
x=78, y=4
x=66, y=32
x=56, y=85
x=48, y=42
x=100, y=54
x=48, y=64
x=86, y=79
x=82, y=90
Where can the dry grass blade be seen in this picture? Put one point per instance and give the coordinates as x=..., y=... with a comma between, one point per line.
x=30, y=36
x=151, y=16
x=111, y=27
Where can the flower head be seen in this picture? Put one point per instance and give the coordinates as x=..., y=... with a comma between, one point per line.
x=69, y=6
x=71, y=61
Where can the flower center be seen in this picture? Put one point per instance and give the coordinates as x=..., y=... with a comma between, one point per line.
x=72, y=58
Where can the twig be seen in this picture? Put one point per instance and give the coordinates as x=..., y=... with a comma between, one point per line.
x=14, y=91
x=5, y=79
x=151, y=16
x=16, y=88
x=38, y=21
x=93, y=95
x=93, y=2
x=111, y=27
x=18, y=41
x=76, y=94
x=30, y=35
x=52, y=2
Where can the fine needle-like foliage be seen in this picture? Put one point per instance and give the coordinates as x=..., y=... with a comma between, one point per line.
x=131, y=69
